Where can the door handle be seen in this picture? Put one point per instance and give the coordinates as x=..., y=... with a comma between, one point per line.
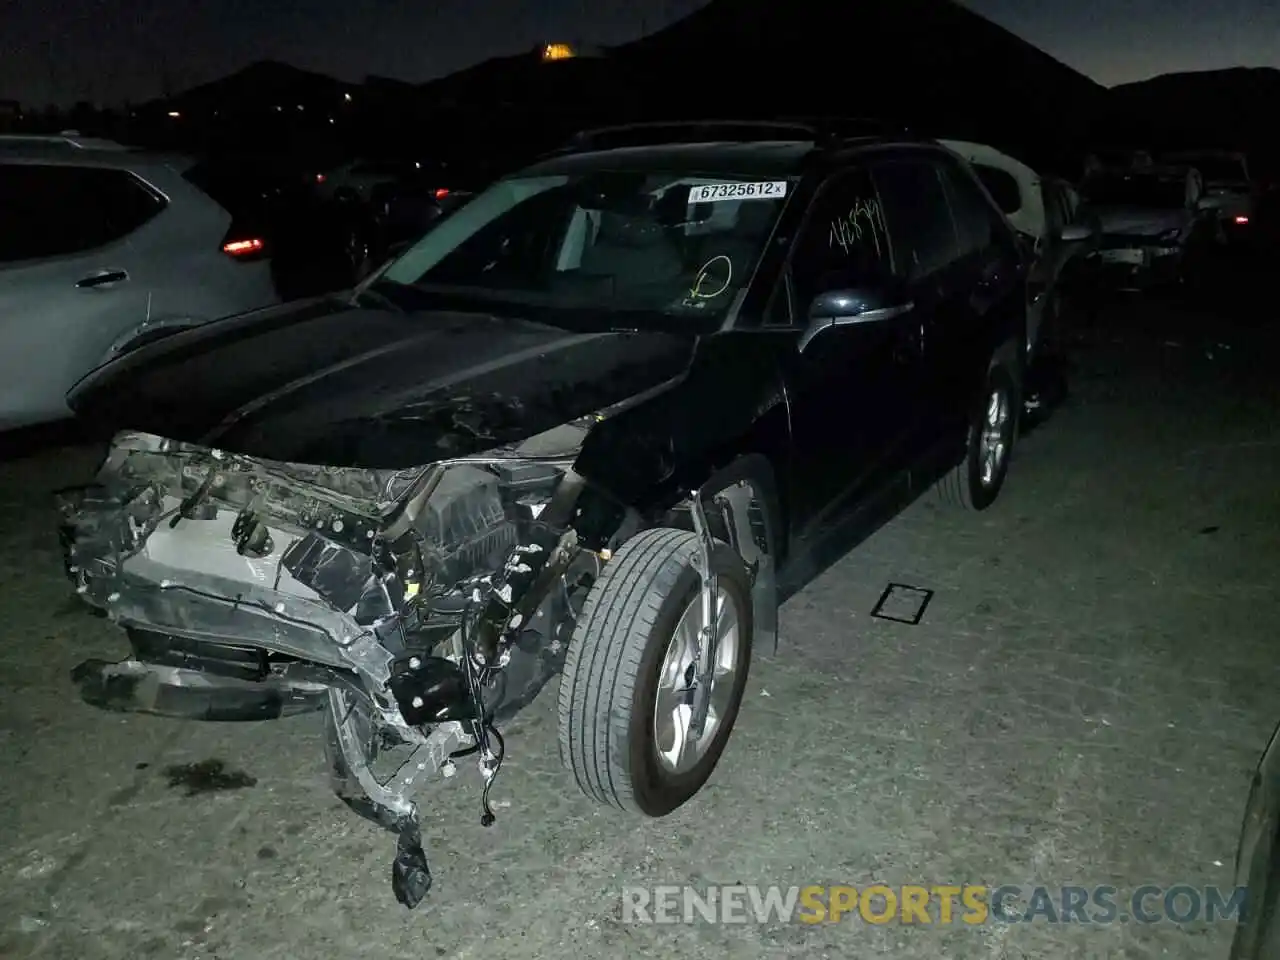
x=102, y=279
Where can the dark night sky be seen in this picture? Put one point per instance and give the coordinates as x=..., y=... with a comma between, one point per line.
x=65, y=50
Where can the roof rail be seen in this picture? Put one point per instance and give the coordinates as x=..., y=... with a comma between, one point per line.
x=824, y=132
x=69, y=139
x=688, y=131
x=834, y=130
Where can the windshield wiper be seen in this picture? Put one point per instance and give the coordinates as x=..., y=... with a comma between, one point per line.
x=374, y=297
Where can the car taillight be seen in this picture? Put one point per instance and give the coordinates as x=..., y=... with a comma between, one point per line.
x=247, y=247
x=321, y=178
x=1241, y=221
x=442, y=193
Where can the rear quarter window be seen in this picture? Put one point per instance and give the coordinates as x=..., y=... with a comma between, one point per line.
x=51, y=210
x=1002, y=186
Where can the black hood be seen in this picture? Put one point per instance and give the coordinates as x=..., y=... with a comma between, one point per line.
x=325, y=382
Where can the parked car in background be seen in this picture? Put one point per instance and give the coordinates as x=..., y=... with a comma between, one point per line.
x=1258, y=863
x=377, y=204
x=1148, y=220
x=356, y=179
x=1044, y=212
x=1117, y=160
x=308, y=242
x=403, y=210
x=102, y=249
x=1230, y=193
x=597, y=421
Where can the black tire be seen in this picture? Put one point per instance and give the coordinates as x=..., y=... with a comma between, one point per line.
x=610, y=681
x=964, y=486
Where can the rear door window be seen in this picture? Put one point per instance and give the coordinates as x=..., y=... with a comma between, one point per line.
x=975, y=217
x=55, y=210
x=918, y=216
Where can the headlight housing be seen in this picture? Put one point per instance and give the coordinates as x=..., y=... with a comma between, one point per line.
x=180, y=469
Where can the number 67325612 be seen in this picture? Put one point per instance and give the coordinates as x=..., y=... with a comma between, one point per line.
x=713, y=192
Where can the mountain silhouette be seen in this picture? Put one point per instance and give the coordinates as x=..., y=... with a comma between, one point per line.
x=931, y=63
x=1226, y=108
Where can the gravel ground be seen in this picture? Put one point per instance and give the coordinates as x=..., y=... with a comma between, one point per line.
x=1083, y=703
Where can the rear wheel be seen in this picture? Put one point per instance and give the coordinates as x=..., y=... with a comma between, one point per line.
x=975, y=483
x=640, y=728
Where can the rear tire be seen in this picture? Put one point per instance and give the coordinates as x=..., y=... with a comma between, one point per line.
x=977, y=480
x=616, y=665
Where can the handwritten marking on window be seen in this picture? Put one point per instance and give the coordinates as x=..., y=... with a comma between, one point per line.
x=862, y=224
x=703, y=280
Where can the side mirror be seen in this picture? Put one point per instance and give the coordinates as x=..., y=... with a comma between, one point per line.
x=854, y=307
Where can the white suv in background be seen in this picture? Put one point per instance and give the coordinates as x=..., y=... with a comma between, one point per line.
x=1043, y=211
x=103, y=248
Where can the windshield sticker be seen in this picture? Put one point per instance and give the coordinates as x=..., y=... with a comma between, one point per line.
x=863, y=222
x=714, y=192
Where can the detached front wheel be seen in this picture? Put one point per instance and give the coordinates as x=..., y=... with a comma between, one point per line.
x=643, y=717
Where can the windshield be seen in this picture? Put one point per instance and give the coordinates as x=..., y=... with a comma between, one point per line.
x=672, y=244
x=1137, y=191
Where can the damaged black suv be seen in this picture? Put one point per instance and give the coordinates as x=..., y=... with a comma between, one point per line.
x=595, y=423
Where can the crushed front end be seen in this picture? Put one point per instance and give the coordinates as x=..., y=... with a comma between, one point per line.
x=417, y=608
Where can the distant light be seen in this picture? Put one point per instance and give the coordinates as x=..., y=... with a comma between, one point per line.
x=558, y=51
x=346, y=97
x=331, y=120
x=417, y=165
x=1242, y=220
x=299, y=106
x=320, y=178
x=278, y=108
x=175, y=114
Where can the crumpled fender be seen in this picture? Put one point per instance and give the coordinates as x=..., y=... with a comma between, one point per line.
x=731, y=405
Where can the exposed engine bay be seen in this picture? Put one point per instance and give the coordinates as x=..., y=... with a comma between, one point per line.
x=419, y=608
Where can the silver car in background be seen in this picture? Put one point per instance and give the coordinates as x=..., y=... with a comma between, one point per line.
x=102, y=249
x=1148, y=218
